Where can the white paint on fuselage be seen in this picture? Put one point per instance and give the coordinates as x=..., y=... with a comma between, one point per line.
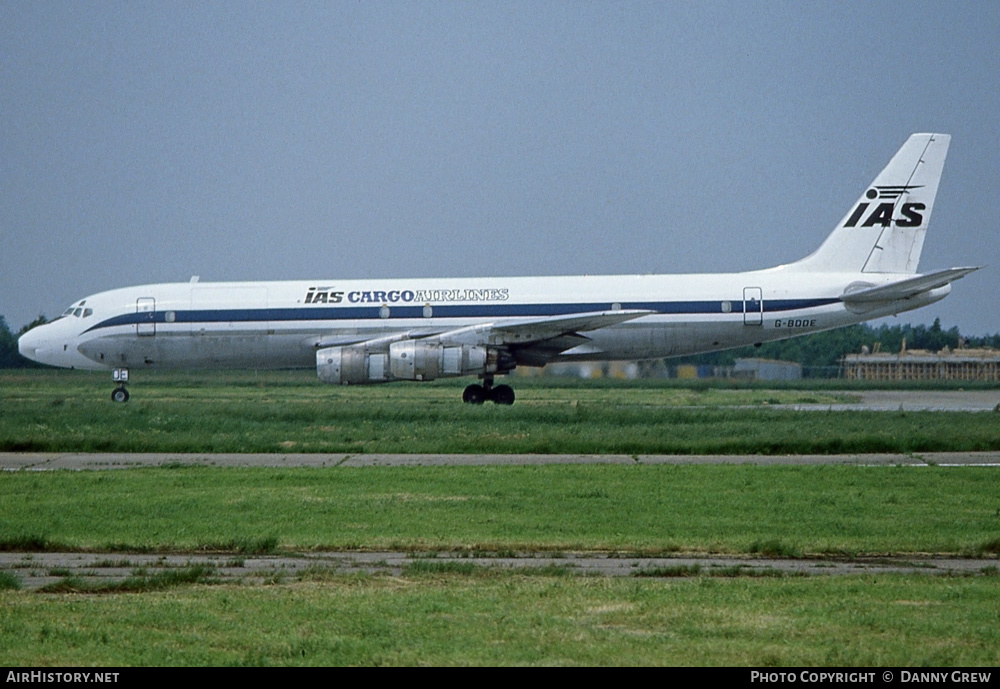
x=177, y=338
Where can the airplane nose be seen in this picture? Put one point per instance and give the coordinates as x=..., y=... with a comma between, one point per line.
x=35, y=346
x=27, y=344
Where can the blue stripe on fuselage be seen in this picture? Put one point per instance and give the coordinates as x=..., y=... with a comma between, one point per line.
x=342, y=313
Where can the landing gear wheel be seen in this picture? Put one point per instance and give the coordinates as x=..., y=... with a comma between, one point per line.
x=503, y=394
x=474, y=394
x=119, y=395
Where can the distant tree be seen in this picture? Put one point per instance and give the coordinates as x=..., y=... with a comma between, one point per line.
x=41, y=320
x=8, y=346
x=983, y=341
x=9, y=356
x=820, y=353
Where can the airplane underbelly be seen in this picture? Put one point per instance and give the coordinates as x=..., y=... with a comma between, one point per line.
x=661, y=340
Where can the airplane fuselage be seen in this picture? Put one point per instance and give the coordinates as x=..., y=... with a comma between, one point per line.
x=282, y=324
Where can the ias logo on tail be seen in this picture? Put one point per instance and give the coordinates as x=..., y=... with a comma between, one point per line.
x=882, y=214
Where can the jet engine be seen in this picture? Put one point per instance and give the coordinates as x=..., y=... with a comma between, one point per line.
x=364, y=364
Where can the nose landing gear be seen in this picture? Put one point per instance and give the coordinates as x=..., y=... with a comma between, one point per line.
x=120, y=376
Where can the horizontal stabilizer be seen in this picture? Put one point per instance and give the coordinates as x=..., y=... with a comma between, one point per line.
x=907, y=288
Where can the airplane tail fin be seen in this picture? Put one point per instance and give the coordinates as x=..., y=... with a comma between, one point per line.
x=884, y=230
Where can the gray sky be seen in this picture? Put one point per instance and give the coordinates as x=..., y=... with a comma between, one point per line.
x=151, y=141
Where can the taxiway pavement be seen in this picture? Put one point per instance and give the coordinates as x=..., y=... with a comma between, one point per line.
x=51, y=461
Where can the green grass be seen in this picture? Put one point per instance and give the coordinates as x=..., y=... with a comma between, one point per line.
x=784, y=511
x=446, y=613
x=66, y=411
x=482, y=617
x=9, y=581
x=139, y=582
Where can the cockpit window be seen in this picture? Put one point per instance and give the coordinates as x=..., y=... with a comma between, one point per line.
x=77, y=311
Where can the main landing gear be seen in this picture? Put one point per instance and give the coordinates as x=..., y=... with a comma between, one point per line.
x=477, y=394
x=120, y=376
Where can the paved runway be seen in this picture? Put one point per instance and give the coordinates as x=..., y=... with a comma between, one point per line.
x=94, y=570
x=913, y=400
x=48, y=461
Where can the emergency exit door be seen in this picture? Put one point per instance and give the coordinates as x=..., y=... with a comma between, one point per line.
x=753, y=306
x=145, y=322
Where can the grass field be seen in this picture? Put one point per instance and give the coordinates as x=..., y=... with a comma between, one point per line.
x=474, y=616
x=61, y=411
x=650, y=509
x=488, y=618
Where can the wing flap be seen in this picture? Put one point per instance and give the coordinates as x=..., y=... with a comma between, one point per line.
x=904, y=289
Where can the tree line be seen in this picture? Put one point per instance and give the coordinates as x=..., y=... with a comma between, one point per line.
x=9, y=356
x=820, y=353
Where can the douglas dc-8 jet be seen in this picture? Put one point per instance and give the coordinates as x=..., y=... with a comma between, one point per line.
x=359, y=332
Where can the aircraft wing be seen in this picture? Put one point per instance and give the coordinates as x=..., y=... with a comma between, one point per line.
x=515, y=331
x=383, y=339
x=557, y=332
x=904, y=289
x=525, y=330
x=536, y=340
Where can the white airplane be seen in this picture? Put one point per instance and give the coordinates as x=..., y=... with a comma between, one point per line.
x=375, y=331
